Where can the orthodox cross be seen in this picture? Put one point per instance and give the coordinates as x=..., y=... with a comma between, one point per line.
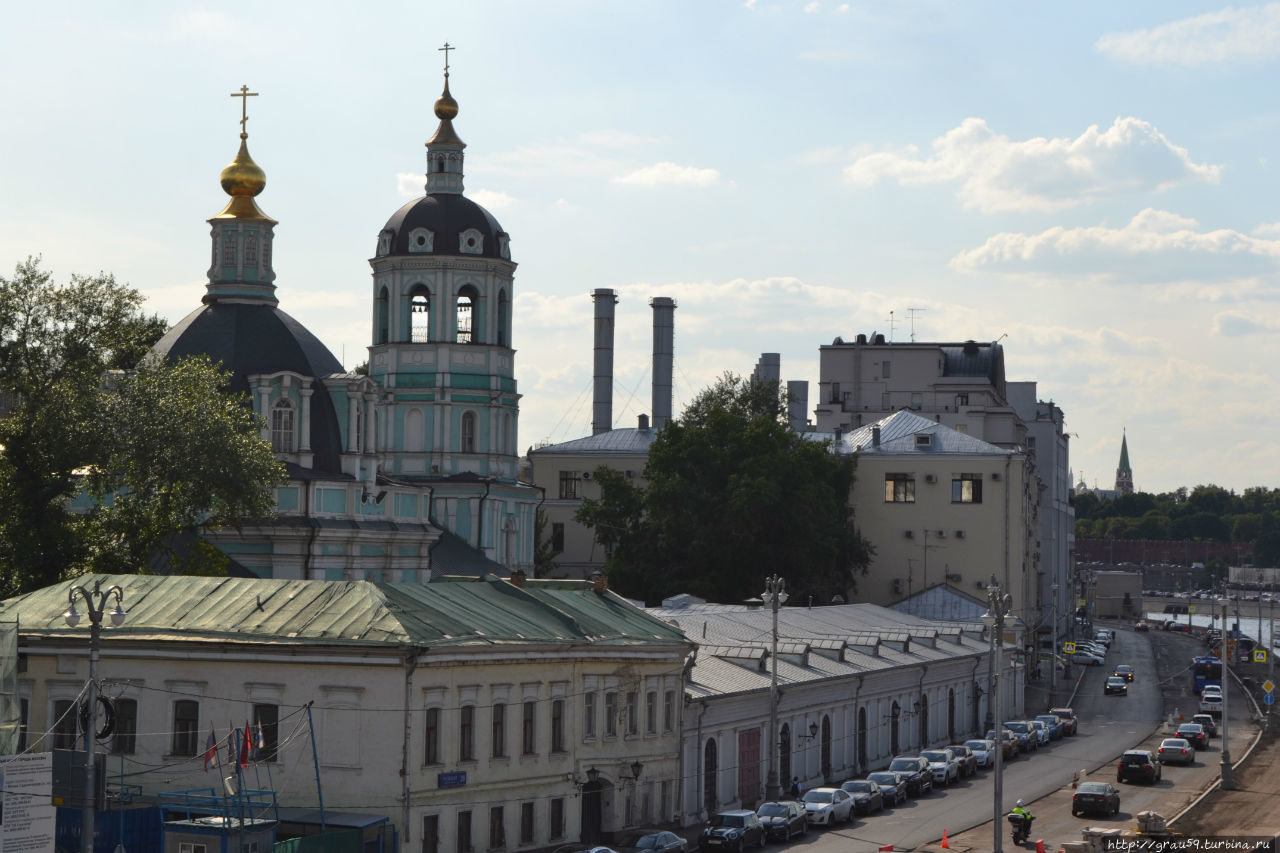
x=244, y=95
x=447, y=47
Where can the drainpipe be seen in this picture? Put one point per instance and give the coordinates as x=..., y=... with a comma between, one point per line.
x=684, y=677
x=857, y=773
x=411, y=664
x=1007, y=585
x=488, y=484
x=924, y=735
x=973, y=681
x=702, y=776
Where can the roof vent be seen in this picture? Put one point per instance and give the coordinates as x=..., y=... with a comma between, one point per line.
x=879, y=339
x=862, y=339
x=970, y=347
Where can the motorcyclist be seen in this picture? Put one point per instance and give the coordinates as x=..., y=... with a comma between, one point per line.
x=1020, y=810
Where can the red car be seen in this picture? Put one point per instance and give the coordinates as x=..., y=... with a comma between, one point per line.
x=1142, y=626
x=1068, y=718
x=968, y=761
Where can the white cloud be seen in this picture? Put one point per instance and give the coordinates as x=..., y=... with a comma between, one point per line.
x=491, y=199
x=669, y=174
x=1226, y=36
x=843, y=8
x=411, y=184
x=1153, y=246
x=996, y=173
x=1234, y=324
x=811, y=8
x=205, y=24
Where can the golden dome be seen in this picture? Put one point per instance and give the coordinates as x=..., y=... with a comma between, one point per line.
x=243, y=179
x=446, y=106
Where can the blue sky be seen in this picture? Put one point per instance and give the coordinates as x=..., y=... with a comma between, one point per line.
x=1091, y=180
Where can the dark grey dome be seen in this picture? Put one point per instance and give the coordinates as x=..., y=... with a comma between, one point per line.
x=446, y=215
x=247, y=339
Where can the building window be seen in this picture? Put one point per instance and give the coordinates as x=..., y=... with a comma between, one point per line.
x=633, y=712
x=503, y=313
x=463, y=837
x=917, y=400
x=420, y=317
x=228, y=249
x=527, y=729
x=966, y=489
x=884, y=400
x=266, y=732
x=899, y=488
x=64, y=724
x=468, y=432
x=611, y=713
x=962, y=400
x=125, y=739
x=186, y=722
x=191, y=847
x=250, y=251
x=499, y=730
x=669, y=711
x=886, y=370
x=569, y=485
x=467, y=733
x=526, y=823
x=282, y=427
x=557, y=818
x=433, y=736
x=497, y=828
x=589, y=715
x=431, y=833
x=557, y=536
x=557, y=725
x=465, y=315
x=651, y=712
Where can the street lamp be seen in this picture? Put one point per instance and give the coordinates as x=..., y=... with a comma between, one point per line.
x=1228, y=778
x=96, y=602
x=775, y=596
x=998, y=606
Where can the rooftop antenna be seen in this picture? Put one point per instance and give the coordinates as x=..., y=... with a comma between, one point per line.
x=890, y=327
x=911, y=315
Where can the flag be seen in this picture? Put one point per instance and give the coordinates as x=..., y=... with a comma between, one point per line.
x=258, y=743
x=210, y=749
x=232, y=753
x=244, y=745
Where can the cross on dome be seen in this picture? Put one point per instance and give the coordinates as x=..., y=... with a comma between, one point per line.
x=244, y=95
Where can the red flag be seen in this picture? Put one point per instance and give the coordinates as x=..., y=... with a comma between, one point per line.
x=244, y=746
x=210, y=749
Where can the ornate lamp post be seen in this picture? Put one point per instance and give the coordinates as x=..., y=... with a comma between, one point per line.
x=1228, y=777
x=775, y=596
x=998, y=606
x=96, y=602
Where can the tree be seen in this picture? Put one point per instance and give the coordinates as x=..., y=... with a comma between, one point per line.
x=732, y=496
x=544, y=551
x=150, y=454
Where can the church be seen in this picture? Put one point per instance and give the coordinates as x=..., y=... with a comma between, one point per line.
x=407, y=472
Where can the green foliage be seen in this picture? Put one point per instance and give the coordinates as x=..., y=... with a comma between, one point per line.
x=1203, y=513
x=544, y=554
x=165, y=449
x=733, y=496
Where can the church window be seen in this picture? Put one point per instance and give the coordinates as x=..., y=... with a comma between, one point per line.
x=471, y=242
x=228, y=249
x=266, y=252
x=384, y=318
x=466, y=316
x=282, y=427
x=250, y=251
x=421, y=240
x=468, y=432
x=508, y=435
x=503, y=311
x=420, y=316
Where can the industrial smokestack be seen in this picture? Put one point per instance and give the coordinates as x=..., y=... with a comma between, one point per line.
x=798, y=404
x=602, y=408
x=664, y=320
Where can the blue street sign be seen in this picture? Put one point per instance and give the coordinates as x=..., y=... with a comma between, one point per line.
x=1268, y=698
x=455, y=779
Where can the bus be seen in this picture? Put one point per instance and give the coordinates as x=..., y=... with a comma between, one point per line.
x=1205, y=670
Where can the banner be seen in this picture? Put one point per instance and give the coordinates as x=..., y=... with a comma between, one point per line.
x=28, y=818
x=10, y=703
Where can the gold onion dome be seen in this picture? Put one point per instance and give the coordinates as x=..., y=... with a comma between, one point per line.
x=446, y=106
x=243, y=179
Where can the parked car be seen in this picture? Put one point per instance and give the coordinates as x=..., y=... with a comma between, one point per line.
x=1053, y=724
x=828, y=806
x=893, y=788
x=943, y=766
x=1041, y=730
x=1140, y=764
x=578, y=847
x=1069, y=722
x=782, y=820
x=1103, y=637
x=1010, y=745
x=1209, y=723
x=1085, y=658
x=649, y=841
x=867, y=796
x=735, y=830
x=1195, y=733
x=1095, y=797
x=1116, y=684
x=965, y=758
x=916, y=770
x=1124, y=671
x=1028, y=740
x=984, y=751
x=1176, y=750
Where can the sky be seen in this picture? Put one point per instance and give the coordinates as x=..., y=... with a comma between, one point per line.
x=1089, y=183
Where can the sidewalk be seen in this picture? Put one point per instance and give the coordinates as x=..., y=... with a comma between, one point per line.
x=1253, y=808
x=1040, y=697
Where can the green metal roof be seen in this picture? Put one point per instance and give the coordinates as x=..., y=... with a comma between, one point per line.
x=449, y=611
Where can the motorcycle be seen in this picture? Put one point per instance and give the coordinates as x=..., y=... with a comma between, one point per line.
x=1021, y=827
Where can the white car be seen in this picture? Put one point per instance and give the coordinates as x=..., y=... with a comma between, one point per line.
x=1211, y=700
x=983, y=750
x=943, y=765
x=1086, y=659
x=828, y=806
x=1042, y=731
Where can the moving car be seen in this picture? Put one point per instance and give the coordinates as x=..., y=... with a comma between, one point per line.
x=1211, y=700
x=1176, y=750
x=867, y=796
x=1206, y=720
x=1069, y=722
x=1193, y=732
x=1141, y=626
x=893, y=788
x=1095, y=797
x=732, y=830
x=943, y=765
x=783, y=820
x=1140, y=764
x=1124, y=671
x=1116, y=684
x=828, y=806
x=916, y=770
x=1053, y=724
x=965, y=758
x=984, y=751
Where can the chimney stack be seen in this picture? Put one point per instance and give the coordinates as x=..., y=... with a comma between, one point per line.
x=664, y=317
x=517, y=578
x=602, y=408
x=642, y=422
x=599, y=583
x=798, y=404
x=875, y=436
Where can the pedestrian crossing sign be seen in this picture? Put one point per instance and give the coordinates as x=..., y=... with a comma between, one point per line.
x=1260, y=656
x=1069, y=648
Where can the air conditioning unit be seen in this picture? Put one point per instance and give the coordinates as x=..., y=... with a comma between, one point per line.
x=908, y=534
x=979, y=585
x=931, y=478
x=942, y=534
x=631, y=475
x=435, y=469
x=897, y=586
x=586, y=475
x=995, y=475
x=954, y=577
x=959, y=534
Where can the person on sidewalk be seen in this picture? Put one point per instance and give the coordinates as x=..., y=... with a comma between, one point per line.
x=794, y=790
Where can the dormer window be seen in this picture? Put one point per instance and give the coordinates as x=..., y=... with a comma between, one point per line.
x=924, y=441
x=421, y=240
x=282, y=426
x=471, y=242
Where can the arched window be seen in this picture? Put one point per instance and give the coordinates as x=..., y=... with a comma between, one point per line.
x=228, y=249
x=508, y=435
x=468, y=432
x=862, y=740
x=465, y=310
x=383, y=333
x=419, y=316
x=282, y=426
x=826, y=748
x=503, y=314
x=895, y=715
x=710, y=772
x=784, y=756
x=924, y=721
x=415, y=432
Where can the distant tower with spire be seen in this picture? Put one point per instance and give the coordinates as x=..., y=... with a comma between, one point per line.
x=1124, y=474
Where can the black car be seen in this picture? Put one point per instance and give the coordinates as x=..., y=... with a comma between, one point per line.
x=783, y=820
x=1124, y=671
x=893, y=788
x=1139, y=764
x=732, y=830
x=1209, y=723
x=1028, y=740
x=867, y=797
x=915, y=768
x=1096, y=797
x=1195, y=733
x=649, y=841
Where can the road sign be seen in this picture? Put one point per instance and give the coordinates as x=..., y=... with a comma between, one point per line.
x=1269, y=699
x=1080, y=602
x=1191, y=609
x=1260, y=656
x=1069, y=648
x=1268, y=686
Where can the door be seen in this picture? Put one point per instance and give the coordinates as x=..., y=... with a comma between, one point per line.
x=592, y=823
x=749, y=767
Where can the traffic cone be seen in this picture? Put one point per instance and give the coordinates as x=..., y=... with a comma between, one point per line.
x=946, y=846
x=1040, y=845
